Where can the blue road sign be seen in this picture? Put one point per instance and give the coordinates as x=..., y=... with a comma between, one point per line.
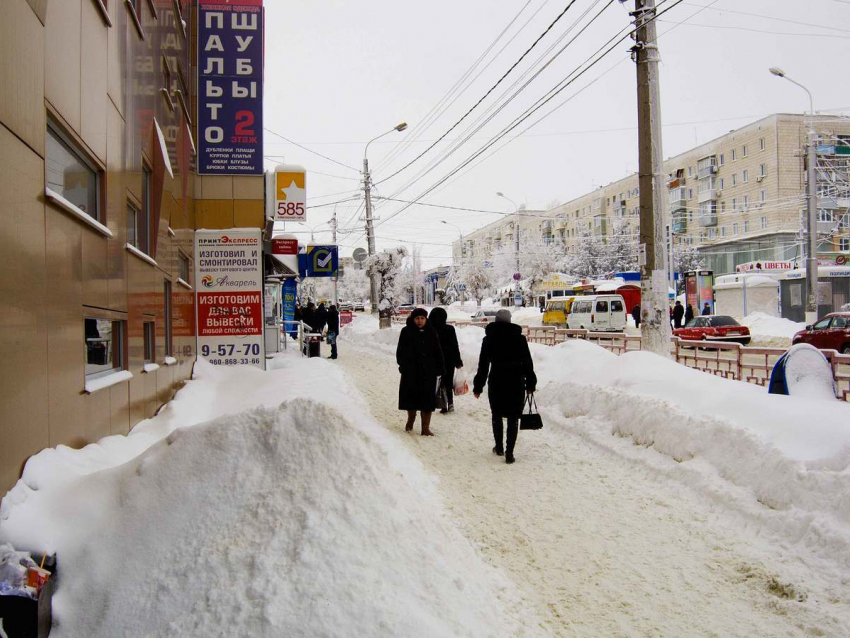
x=322, y=261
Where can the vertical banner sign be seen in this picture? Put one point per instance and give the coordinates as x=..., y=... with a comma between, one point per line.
x=290, y=194
x=290, y=292
x=229, y=296
x=230, y=87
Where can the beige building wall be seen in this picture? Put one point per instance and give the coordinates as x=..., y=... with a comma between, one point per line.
x=97, y=71
x=759, y=195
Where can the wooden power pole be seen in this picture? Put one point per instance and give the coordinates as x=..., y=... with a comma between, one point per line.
x=655, y=306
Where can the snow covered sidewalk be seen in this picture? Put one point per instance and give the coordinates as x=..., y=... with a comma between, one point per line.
x=610, y=536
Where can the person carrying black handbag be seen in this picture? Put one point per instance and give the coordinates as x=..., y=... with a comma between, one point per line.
x=505, y=365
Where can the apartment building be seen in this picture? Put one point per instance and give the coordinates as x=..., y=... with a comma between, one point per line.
x=738, y=198
x=100, y=197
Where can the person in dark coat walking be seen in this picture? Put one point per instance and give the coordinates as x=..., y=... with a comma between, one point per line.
x=451, y=353
x=505, y=364
x=636, y=315
x=308, y=316
x=706, y=309
x=420, y=361
x=678, y=313
x=321, y=318
x=333, y=330
x=689, y=314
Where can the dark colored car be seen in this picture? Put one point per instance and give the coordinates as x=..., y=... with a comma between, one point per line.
x=830, y=333
x=714, y=328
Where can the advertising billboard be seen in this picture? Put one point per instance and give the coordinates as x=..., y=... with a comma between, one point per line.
x=229, y=296
x=290, y=193
x=230, y=87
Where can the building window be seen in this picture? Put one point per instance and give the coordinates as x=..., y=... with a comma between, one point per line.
x=761, y=144
x=690, y=193
x=844, y=221
x=722, y=159
x=762, y=196
x=734, y=203
x=723, y=231
x=735, y=228
x=734, y=154
x=149, y=341
x=71, y=174
x=722, y=183
x=746, y=201
x=139, y=219
x=746, y=227
x=690, y=170
x=744, y=152
x=722, y=207
x=734, y=179
x=168, y=322
x=712, y=233
x=762, y=170
x=825, y=215
x=184, y=268
x=104, y=346
x=745, y=176
x=763, y=222
x=844, y=244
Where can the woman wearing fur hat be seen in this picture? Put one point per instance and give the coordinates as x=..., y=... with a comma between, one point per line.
x=420, y=361
x=451, y=353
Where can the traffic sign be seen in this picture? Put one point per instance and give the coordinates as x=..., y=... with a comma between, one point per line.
x=461, y=287
x=518, y=300
x=290, y=194
x=322, y=261
x=517, y=276
x=359, y=255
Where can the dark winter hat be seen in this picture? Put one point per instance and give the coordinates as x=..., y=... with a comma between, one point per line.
x=438, y=317
x=504, y=315
x=419, y=312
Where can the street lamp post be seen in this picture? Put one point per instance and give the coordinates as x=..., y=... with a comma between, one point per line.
x=811, y=217
x=370, y=233
x=460, y=233
x=516, y=243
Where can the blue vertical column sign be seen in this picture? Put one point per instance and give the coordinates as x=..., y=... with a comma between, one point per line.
x=290, y=292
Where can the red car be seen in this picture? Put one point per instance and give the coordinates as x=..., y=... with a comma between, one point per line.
x=714, y=328
x=830, y=333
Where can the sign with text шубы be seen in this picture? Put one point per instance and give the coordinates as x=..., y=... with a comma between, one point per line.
x=229, y=296
x=230, y=87
x=290, y=194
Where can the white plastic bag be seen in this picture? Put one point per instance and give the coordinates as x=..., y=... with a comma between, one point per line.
x=461, y=386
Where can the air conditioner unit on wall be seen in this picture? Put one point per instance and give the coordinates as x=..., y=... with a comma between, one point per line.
x=760, y=178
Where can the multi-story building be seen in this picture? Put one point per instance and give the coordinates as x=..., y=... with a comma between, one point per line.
x=100, y=196
x=738, y=198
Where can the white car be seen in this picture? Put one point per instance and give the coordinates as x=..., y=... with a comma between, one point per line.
x=487, y=316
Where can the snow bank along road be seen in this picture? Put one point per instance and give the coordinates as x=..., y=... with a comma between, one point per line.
x=605, y=537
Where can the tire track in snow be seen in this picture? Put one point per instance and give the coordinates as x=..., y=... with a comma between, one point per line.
x=599, y=545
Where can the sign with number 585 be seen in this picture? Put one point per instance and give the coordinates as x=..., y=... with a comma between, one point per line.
x=290, y=199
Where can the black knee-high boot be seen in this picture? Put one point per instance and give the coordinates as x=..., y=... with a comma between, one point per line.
x=513, y=430
x=497, y=435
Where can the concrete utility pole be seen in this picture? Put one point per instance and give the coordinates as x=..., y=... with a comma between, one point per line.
x=812, y=210
x=655, y=313
x=336, y=276
x=370, y=232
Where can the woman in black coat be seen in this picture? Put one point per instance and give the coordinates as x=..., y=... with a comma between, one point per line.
x=333, y=330
x=689, y=314
x=451, y=353
x=420, y=361
x=505, y=364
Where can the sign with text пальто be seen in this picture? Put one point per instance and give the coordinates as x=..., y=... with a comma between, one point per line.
x=230, y=87
x=229, y=296
x=290, y=193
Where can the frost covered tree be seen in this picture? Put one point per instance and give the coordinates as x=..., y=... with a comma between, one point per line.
x=353, y=284
x=621, y=249
x=589, y=257
x=477, y=277
x=387, y=266
x=686, y=258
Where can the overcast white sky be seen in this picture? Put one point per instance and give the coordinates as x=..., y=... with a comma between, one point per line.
x=339, y=73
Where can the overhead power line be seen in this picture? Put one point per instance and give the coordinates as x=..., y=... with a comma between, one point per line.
x=309, y=150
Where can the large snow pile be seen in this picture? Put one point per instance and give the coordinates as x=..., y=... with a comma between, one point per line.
x=764, y=325
x=280, y=517
x=744, y=446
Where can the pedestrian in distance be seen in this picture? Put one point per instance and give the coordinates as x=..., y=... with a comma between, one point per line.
x=706, y=309
x=321, y=318
x=420, y=362
x=636, y=315
x=451, y=354
x=333, y=330
x=505, y=365
x=689, y=314
x=678, y=313
x=308, y=316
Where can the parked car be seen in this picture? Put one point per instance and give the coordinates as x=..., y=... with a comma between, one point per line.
x=830, y=333
x=714, y=328
x=603, y=313
x=359, y=306
x=345, y=307
x=557, y=310
x=487, y=316
x=404, y=309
